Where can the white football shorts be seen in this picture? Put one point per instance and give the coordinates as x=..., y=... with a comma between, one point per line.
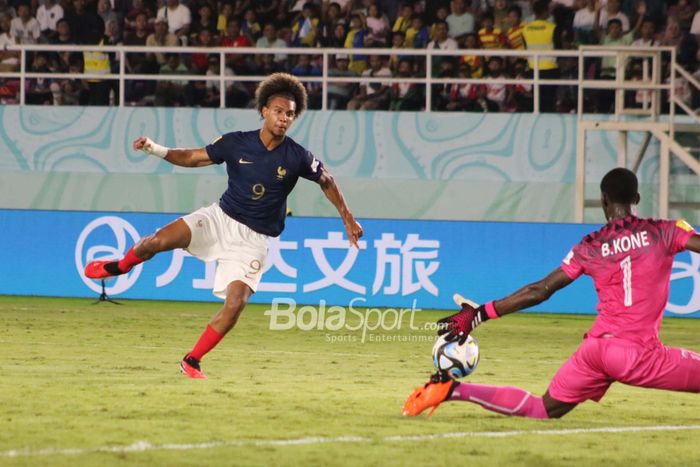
x=239, y=251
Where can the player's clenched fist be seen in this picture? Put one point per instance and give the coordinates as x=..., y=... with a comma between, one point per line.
x=354, y=231
x=147, y=145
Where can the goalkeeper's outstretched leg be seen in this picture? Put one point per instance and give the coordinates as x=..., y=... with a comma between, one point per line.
x=505, y=400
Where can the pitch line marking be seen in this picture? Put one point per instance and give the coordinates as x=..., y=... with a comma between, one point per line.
x=143, y=446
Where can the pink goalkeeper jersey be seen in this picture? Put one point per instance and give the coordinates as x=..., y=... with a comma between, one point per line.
x=630, y=262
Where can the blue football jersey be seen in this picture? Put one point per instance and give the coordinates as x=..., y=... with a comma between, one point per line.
x=260, y=180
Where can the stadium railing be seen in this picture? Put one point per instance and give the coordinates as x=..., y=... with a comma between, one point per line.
x=653, y=81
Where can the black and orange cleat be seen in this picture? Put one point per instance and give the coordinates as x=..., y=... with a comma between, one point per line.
x=190, y=367
x=432, y=394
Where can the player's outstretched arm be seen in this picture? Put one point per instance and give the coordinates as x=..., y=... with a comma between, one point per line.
x=693, y=244
x=196, y=157
x=335, y=196
x=533, y=294
x=461, y=324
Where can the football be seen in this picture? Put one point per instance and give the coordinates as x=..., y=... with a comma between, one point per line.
x=457, y=360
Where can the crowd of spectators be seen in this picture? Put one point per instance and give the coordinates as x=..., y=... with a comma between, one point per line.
x=460, y=25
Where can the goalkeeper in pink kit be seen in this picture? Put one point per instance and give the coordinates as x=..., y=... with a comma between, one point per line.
x=630, y=261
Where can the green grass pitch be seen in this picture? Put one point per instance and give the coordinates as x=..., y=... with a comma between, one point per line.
x=99, y=385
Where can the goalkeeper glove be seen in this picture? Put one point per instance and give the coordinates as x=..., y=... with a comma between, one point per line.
x=461, y=324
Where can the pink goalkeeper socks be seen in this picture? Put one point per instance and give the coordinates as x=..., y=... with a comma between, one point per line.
x=506, y=400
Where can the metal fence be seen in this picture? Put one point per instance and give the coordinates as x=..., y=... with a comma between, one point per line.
x=654, y=80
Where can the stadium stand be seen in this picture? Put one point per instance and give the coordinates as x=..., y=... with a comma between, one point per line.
x=468, y=27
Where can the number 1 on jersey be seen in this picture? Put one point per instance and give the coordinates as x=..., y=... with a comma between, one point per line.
x=626, y=265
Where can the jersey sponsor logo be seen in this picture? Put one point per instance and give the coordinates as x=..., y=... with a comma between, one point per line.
x=281, y=172
x=625, y=244
x=123, y=235
x=243, y=161
x=314, y=165
x=682, y=224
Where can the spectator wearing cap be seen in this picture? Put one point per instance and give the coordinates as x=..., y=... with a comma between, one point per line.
x=161, y=37
x=339, y=93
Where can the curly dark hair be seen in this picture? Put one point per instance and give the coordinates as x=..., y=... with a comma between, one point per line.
x=284, y=85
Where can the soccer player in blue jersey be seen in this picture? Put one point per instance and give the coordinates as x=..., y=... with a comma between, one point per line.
x=263, y=166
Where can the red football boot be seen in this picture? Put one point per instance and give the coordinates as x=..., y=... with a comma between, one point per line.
x=190, y=367
x=96, y=269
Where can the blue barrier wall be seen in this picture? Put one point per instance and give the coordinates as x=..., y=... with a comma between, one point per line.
x=399, y=261
x=456, y=166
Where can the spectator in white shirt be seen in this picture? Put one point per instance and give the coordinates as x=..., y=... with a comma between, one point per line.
x=178, y=17
x=373, y=96
x=25, y=28
x=9, y=60
x=584, y=22
x=460, y=21
x=48, y=15
x=647, y=34
x=269, y=39
x=695, y=26
x=612, y=11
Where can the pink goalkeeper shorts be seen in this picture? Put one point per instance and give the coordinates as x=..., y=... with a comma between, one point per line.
x=601, y=361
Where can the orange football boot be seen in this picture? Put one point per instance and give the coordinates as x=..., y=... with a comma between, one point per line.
x=435, y=392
